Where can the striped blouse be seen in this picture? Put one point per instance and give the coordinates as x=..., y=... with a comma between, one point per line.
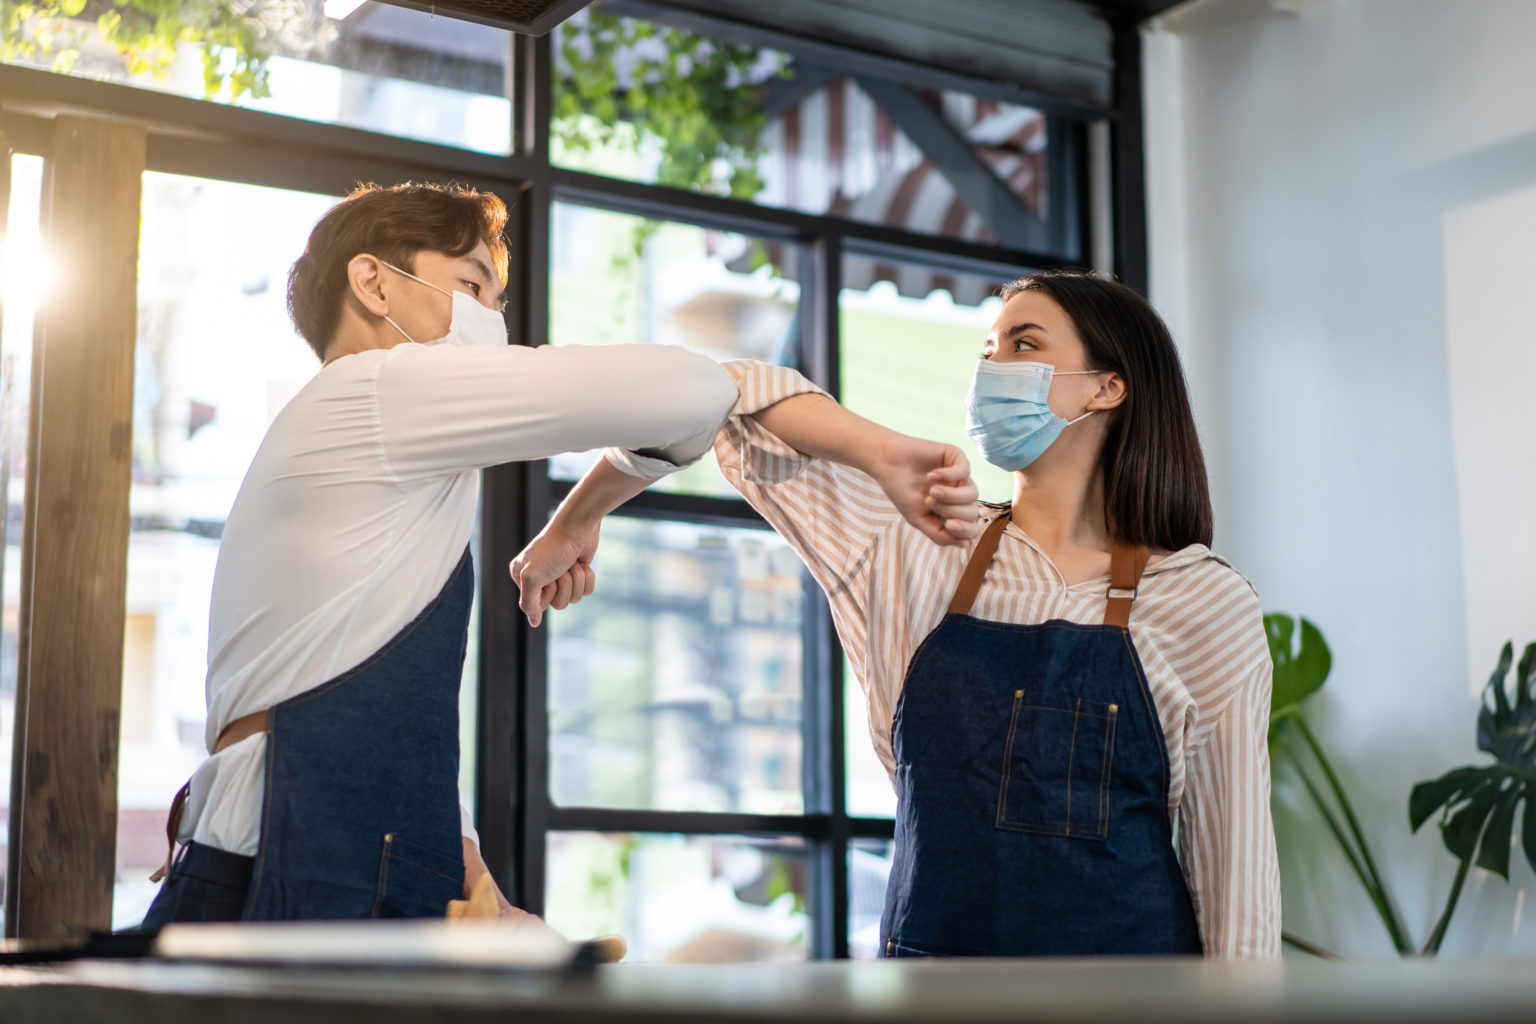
x=1197, y=626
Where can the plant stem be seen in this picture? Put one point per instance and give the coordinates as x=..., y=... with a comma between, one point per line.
x=1438, y=935
x=1308, y=947
x=1335, y=827
x=1378, y=899
x=1388, y=911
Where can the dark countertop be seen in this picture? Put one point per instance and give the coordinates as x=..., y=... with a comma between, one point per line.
x=1083, y=992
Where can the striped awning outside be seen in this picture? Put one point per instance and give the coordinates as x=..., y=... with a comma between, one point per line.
x=835, y=152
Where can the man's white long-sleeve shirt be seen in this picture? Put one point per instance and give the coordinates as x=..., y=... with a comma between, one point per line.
x=362, y=498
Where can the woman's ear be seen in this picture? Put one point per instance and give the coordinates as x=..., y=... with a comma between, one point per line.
x=1111, y=394
x=365, y=275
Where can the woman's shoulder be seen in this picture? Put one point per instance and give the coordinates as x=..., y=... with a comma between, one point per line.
x=1199, y=596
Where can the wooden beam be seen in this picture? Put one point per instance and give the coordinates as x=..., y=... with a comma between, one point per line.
x=75, y=536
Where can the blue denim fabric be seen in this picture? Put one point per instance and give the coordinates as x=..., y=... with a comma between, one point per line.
x=205, y=884
x=1032, y=785
x=361, y=814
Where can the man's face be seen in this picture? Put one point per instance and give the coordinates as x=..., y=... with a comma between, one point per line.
x=425, y=313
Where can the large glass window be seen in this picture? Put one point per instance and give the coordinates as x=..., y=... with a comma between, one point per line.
x=695, y=899
x=677, y=684
x=25, y=275
x=651, y=103
x=616, y=278
x=370, y=65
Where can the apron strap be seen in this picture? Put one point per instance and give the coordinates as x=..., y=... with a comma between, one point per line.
x=1126, y=564
x=976, y=568
x=242, y=728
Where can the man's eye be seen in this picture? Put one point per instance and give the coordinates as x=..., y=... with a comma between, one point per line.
x=474, y=288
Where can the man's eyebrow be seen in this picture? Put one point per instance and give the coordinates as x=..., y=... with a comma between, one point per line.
x=489, y=277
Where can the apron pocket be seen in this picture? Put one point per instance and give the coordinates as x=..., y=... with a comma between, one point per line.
x=415, y=881
x=1057, y=764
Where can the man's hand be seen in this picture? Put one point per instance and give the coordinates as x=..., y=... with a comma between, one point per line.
x=930, y=484
x=555, y=569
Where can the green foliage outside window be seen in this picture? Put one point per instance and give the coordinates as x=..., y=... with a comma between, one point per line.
x=147, y=33
x=696, y=96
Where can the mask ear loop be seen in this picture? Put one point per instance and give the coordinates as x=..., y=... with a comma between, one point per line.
x=396, y=326
x=1077, y=373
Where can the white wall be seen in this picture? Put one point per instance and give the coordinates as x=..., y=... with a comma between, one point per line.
x=1343, y=226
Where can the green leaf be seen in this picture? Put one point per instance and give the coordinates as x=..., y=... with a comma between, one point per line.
x=1493, y=854
x=1461, y=832
x=1300, y=669
x=1525, y=677
x=1428, y=797
x=71, y=8
x=1528, y=830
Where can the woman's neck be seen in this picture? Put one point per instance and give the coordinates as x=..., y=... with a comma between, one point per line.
x=1061, y=507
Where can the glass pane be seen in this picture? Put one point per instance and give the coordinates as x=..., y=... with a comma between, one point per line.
x=869, y=867
x=23, y=279
x=911, y=338
x=643, y=102
x=681, y=899
x=719, y=293
x=202, y=403
x=677, y=684
x=379, y=67
x=869, y=792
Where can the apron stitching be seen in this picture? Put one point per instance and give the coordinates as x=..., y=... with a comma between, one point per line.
x=1002, y=796
x=1072, y=756
x=383, y=886
x=1106, y=770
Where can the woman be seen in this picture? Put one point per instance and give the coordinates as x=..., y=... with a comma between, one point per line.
x=1055, y=699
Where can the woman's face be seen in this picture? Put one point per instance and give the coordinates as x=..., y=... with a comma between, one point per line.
x=1032, y=328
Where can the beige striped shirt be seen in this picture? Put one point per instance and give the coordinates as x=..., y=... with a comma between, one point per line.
x=1197, y=627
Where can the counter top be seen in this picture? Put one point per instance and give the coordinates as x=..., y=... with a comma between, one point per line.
x=1082, y=991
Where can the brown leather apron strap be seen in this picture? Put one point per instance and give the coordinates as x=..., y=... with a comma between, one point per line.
x=976, y=568
x=242, y=728
x=1126, y=564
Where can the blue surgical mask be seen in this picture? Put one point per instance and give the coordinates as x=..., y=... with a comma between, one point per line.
x=1007, y=414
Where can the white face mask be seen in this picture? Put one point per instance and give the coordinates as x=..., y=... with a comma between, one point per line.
x=470, y=323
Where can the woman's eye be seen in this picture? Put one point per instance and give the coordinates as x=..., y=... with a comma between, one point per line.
x=1019, y=344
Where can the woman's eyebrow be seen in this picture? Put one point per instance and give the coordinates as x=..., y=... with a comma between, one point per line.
x=1017, y=329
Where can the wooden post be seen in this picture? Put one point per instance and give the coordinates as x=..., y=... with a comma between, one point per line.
x=75, y=538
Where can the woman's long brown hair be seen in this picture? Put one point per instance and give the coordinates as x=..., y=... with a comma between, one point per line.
x=1155, y=487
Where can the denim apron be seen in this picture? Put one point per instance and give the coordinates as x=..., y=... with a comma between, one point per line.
x=1032, y=789
x=361, y=811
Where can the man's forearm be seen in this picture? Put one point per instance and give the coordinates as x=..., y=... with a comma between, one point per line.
x=819, y=427
x=603, y=489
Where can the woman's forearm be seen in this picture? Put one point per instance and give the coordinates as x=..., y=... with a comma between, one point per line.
x=817, y=426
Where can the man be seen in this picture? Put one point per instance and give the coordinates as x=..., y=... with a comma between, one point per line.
x=341, y=598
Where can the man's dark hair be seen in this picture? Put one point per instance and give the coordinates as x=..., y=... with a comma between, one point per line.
x=394, y=224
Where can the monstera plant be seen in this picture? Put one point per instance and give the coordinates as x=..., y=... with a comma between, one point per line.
x=1477, y=803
